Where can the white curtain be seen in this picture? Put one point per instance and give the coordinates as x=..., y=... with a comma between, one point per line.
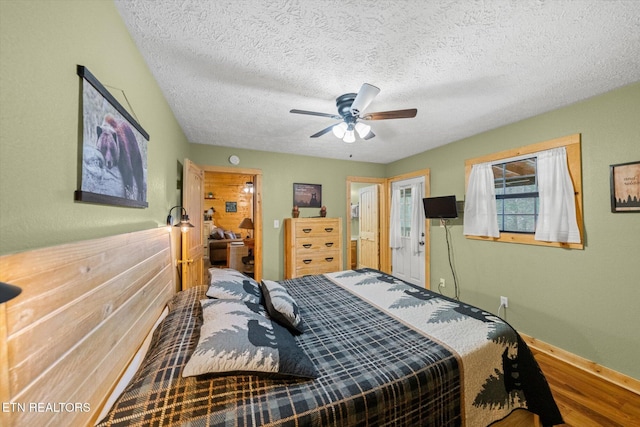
x=557, y=216
x=480, y=215
x=395, y=234
x=417, y=217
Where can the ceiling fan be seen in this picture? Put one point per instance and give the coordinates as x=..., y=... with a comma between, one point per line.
x=350, y=111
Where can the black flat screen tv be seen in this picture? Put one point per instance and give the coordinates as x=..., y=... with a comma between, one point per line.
x=440, y=207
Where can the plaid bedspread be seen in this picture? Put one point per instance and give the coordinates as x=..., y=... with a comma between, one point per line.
x=374, y=371
x=499, y=372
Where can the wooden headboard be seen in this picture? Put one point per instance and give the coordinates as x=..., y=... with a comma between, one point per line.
x=84, y=310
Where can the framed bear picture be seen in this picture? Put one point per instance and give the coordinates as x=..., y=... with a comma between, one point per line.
x=307, y=195
x=113, y=150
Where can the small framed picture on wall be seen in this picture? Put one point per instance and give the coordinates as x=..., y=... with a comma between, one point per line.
x=625, y=187
x=231, y=207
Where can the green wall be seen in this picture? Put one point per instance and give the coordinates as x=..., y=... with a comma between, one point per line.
x=279, y=172
x=40, y=44
x=584, y=301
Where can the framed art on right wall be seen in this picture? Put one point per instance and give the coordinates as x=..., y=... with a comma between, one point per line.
x=625, y=187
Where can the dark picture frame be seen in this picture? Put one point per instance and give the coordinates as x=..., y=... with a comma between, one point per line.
x=625, y=187
x=231, y=206
x=307, y=195
x=112, y=154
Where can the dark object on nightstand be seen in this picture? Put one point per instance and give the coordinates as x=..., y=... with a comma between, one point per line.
x=248, y=262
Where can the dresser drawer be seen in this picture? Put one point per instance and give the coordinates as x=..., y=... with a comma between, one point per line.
x=305, y=245
x=315, y=229
x=315, y=258
x=317, y=264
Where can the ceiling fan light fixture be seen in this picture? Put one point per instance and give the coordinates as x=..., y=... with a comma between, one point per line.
x=349, y=137
x=350, y=109
x=362, y=129
x=340, y=129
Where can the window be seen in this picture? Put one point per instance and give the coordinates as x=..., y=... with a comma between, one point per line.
x=517, y=201
x=516, y=188
x=405, y=212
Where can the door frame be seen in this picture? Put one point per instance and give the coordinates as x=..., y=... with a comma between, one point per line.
x=425, y=173
x=257, y=209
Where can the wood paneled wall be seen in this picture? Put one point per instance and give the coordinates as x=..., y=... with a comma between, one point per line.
x=227, y=187
x=84, y=310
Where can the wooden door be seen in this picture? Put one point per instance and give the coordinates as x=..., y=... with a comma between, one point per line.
x=369, y=230
x=192, y=241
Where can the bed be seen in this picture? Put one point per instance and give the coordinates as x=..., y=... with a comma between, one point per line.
x=379, y=348
x=376, y=351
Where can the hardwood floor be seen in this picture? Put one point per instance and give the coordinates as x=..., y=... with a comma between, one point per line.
x=585, y=400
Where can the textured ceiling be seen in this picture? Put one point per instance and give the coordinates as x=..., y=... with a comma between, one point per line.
x=232, y=70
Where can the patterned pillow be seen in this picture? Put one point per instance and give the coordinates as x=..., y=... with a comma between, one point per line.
x=281, y=306
x=217, y=233
x=227, y=283
x=234, y=337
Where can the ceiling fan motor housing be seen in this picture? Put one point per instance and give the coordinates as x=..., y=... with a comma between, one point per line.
x=343, y=102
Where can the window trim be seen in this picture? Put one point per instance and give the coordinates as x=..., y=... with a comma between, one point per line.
x=572, y=145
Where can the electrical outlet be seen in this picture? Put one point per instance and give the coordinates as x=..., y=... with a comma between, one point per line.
x=504, y=301
x=276, y=223
x=441, y=284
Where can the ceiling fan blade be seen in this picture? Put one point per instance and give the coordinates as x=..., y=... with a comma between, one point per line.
x=313, y=113
x=369, y=135
x=323, y=131
x=363, y=99
x=396, y=114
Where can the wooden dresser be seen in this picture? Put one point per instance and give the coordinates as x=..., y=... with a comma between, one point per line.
x=312, y=246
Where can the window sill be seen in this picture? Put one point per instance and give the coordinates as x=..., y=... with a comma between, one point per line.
x=526, y=239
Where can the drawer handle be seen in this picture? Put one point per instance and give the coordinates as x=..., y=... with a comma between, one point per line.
x=306, y=245
x=306, y=261
x=329, y=259
x=328, y=229
x=306, y=230
x=328, y=244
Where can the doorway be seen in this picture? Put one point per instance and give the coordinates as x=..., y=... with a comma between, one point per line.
x=230, y=203
x=410, y=257
x=237, y=203
x=365, y=225
x=407, y=230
